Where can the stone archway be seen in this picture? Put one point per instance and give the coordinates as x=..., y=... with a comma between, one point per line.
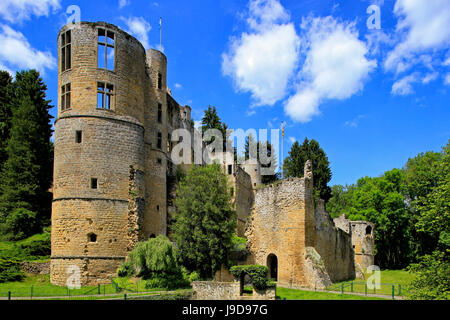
x=272, y=264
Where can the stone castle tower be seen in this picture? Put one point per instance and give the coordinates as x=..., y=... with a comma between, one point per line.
x=112, y=149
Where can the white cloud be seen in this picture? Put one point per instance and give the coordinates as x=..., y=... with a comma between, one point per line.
x=447, y=79
x=429, y=77
x=16, y=11
x=123, y=3
x=335, y=66
x=178, y=86
x=292, y=139
x=271, y=122
x=263, y=60
x=423, y=25
x=17, y=53
x=354, y=122
x=403, y=86
x=140, y=28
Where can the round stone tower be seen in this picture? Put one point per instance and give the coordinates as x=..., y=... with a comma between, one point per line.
x=157, y=145
x=363, y=243
x=99, y=136
x=253, y=168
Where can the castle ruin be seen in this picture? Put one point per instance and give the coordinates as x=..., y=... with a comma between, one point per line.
x=113, y=173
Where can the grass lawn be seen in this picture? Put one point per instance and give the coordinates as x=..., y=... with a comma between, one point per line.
x=295, y=294
x=39, y=285
x=388, y=278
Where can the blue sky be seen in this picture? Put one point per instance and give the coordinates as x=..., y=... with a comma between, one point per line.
x=372, y=97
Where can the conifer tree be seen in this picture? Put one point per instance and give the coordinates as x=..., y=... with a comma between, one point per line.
x=205, y=220
x=5, y=113
x=295, y=162
x=27, y=173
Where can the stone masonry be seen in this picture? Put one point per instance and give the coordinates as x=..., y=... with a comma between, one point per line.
x=114, y=177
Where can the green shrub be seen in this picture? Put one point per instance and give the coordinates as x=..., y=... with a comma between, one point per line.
x=174, y=281
x=10, y=270
x=126, y=269
x=37, y=245
x=21, y=223
x=258, y=275
x=432, y=279
x=156, y=261
x=239, y=243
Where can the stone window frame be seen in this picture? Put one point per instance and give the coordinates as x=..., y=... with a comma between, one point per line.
x=66, y=50
x=160, y=81
x=65, y=96
x=105, y=94
x=159, y=140
x=107, y=45
x=159, y=112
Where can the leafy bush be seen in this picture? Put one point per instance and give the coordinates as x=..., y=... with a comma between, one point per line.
x=125, y=270
x=258, y=275
x=432, y=281
x=37, y=245
x=156, y=261
x=174, y=281
x=10, y=270
x=21, y=223
x=239, y=243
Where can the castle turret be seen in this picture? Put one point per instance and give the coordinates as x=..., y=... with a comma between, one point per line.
x=99, y=135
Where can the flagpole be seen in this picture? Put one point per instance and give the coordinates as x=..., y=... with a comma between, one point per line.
x=160, y=34
x=282, y=140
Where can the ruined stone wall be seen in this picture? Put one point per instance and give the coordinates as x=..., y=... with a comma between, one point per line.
x=244, y=198
x=280, y=224
x=363, y=243
x=333, y=245
x=214, y=290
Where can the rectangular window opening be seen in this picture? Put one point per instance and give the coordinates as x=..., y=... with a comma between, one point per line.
x=66, y=54
x=105, y=49
x=159, y=81
x=93, y=183
x=230, y=169
x=78, y=136
x=159, y=112
x=105, y=95
x=65, y=97
x=159, y=142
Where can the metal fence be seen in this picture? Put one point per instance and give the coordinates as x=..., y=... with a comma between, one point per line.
x=360, y=287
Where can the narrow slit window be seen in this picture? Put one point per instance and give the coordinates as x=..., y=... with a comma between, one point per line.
x=106, y=49
x=66, y=54
x=230, y=169
x=65, y=97
x=159, y=81
x=93, y=183
x=159, y=142
x=78, y=136
x=105, y=95
x=159, y=112
x=169, y=143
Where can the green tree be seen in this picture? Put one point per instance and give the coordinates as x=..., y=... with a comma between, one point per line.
x=380, y=200
x=432, y=280
x=6, y=95
x=340, y=201
x=27, y=173
x=211, y=120
x=205, y=221
x=295, y=162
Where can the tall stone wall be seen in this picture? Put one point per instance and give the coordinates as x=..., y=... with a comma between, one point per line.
x=334, y=246
x=280, y=225
x=244, y=198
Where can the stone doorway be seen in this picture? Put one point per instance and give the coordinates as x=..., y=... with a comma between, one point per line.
x=272, y=264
